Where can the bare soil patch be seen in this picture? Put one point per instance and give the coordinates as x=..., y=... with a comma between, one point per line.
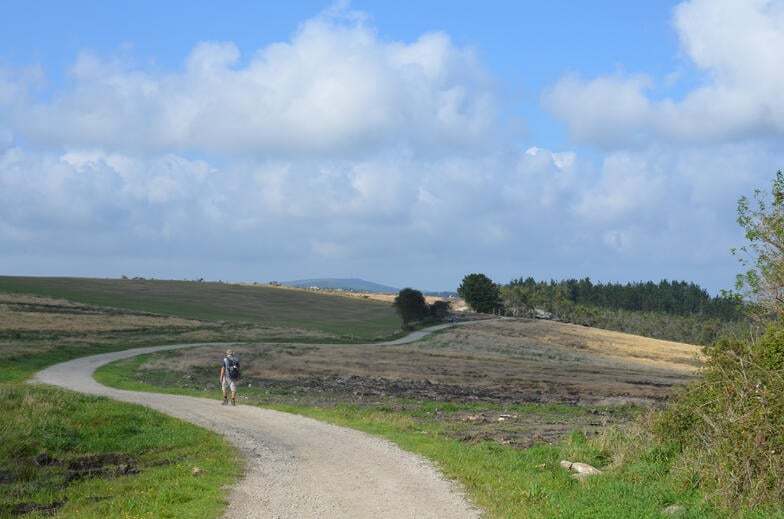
x=64, y=472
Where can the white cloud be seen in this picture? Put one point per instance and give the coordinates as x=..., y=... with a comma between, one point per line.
x=651, y=209
x=6, y=139
x=735, y=44
x=616, y=239
x=328, y=249
x=672, y=168
x=606, y=110
x=335, y=88
x=738, y=42
x=17, y=83
x=543, y=179
x=631, y=185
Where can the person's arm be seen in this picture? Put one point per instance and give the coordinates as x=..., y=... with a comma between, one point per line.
x=223, y=371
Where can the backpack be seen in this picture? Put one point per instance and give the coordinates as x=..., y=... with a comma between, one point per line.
x=233, y=367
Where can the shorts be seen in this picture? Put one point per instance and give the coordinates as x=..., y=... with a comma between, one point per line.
x=230, y=384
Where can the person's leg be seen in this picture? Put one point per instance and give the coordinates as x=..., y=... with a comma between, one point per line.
x=233, y=392
x=224, y=387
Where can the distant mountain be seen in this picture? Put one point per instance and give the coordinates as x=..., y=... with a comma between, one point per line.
x=352, y=285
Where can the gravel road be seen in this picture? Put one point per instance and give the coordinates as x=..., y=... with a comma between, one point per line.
x=297, y=467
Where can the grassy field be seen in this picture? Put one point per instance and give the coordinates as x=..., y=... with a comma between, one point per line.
x=495, y=405
x=351, y=320
x=82, y=456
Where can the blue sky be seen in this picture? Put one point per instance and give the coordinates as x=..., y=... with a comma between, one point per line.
x=407, y=143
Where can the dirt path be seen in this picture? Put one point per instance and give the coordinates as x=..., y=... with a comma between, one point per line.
x=297, y=467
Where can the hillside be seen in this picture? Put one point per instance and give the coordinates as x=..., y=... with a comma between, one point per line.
x=260, y=305
x=359, y=286
x=351, y=285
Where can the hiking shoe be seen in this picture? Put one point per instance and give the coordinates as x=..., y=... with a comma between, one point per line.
x=233, y=403
x=225, y=402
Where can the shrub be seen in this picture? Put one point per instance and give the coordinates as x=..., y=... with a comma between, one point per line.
x=729, y=425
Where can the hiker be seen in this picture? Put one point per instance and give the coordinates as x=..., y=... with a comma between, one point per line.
x=229, y=376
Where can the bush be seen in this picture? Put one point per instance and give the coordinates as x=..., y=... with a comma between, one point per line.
x=439, y=310
x=729, y=425
x=410, y=305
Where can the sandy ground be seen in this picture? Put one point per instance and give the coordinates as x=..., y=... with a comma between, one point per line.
x=297, y=467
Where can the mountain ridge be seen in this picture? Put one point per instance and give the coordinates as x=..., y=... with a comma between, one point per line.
x=351, y=284
x=355, y=285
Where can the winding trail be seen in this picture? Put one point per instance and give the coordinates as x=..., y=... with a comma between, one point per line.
x=297, y=467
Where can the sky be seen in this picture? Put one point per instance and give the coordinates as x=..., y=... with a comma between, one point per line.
x=406, y=143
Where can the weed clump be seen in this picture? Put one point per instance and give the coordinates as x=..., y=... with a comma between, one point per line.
x=729, y=424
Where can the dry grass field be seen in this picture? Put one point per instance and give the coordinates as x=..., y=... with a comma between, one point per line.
x=347, y=319
x=34, y=313
x=506, y=360
x=516, y=382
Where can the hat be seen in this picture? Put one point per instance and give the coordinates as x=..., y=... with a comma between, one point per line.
x=229, y=352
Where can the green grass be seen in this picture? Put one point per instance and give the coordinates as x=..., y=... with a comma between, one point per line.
x=348, y=318
x=21, y=365
x=116, y=374
x=84, y=445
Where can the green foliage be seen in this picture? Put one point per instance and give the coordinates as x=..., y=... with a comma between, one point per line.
x=676, y=311
x=729, y=424
x=770, y=350
x=439, y=310
x=410, y=305
x=763, y=222
x=480, y=293
x=668, y=297
x=91, y=457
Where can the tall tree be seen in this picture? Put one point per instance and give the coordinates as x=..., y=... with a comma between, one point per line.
x=480, y=293
x=411, y=305
x=764, y=254
x=516, y=300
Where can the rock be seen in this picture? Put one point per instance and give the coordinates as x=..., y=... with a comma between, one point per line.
x=581, y=470
x=674, y=510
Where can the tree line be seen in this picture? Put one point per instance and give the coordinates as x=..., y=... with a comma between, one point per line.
x=669, y=297
x=671, y=310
